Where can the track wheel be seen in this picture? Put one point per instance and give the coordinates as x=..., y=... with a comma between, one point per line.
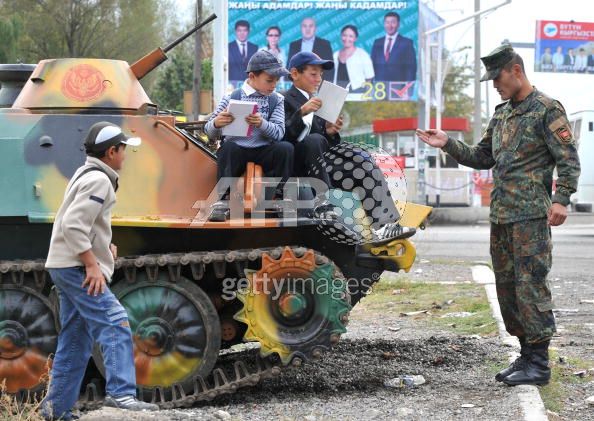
x=294, y=307
x=175, y=328
x=28, y=336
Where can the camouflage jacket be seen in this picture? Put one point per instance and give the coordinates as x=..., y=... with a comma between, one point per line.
x=523, y=144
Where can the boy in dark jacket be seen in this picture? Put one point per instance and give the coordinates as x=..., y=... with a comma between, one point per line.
x=313, y=138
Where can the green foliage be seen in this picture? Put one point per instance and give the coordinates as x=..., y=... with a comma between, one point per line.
x=176, y=77
x=10, y=28
x=119, y=29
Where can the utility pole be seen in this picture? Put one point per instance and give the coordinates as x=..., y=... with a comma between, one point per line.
x=478, y=126
x=422, y=158
x=197, y=65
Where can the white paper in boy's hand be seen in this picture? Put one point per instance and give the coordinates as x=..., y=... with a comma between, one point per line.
x=333, y=97
x=240, y=110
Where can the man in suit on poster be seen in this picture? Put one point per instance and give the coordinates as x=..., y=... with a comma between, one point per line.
x=309, y=42
x=393, y=55
x=240, y=51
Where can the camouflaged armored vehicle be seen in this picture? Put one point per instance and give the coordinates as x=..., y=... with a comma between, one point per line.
x=173, y=274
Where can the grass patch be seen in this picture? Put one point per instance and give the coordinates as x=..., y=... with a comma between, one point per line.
x=438, y=300
x=13, y=409
x=496, y=364
x=556, y=392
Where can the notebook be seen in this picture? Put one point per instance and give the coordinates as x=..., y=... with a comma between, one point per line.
x=240, y=110
x=333, y=97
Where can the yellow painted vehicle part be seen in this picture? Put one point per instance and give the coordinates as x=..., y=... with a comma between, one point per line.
x=401, y=252
x=414, y=215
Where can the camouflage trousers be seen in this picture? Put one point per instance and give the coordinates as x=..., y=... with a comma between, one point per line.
x=521, y=254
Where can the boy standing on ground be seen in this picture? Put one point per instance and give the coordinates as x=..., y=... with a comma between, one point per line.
x=81, y=258
x=264, y=146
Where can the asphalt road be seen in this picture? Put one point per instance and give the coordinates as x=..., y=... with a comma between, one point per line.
x=573, y=245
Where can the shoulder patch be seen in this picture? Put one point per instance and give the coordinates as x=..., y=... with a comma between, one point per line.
x=563, y=134
x=561, y=130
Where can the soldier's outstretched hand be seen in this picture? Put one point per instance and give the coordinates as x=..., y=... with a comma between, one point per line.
x=433, y=137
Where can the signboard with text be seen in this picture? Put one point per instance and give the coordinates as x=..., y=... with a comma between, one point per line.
x=373, y=44
x=564, y=47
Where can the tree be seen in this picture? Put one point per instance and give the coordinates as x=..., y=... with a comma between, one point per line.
x=118, y=29
x=10, y=28
x=176, y=77
x=457, y=103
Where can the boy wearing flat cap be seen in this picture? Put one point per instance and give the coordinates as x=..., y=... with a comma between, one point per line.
x=264, y=146
x=80, y=260
x=528, y=136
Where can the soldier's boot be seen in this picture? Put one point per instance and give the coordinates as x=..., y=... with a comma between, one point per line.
x=518, y=364
x=537, y=369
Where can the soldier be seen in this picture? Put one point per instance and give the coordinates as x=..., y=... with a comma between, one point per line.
x=528, y=135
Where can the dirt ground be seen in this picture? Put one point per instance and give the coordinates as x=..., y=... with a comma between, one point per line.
x=381, y=344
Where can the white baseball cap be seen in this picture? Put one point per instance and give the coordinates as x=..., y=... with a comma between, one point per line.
x=103, y=135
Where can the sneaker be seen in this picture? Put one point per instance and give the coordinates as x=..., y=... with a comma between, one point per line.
x=283, y=206
x=390, y=232
x=325, y=210
x=219, y=212
x=129, y=403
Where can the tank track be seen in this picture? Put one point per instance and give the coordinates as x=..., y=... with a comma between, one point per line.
x=219, y=381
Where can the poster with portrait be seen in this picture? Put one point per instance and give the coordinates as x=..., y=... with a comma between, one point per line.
x=564, y=47
x=373, y=44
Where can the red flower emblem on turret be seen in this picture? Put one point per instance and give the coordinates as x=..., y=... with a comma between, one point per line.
x=83, y=83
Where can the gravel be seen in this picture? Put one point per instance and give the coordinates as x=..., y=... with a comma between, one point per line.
x=348, y=382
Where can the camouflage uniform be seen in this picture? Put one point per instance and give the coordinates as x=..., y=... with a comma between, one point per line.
x=523, y=144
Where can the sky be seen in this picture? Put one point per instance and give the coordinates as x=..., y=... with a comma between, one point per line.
x=516, y=22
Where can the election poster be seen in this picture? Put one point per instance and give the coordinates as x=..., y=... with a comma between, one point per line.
x=564, y=47
x=373, y=44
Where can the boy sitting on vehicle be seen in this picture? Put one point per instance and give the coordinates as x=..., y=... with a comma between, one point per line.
x=314, y=139
x=264, y=146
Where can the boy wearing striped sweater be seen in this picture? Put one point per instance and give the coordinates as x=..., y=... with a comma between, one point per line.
x=265, y=145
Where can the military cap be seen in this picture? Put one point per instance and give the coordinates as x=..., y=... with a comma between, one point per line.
x=496, y=60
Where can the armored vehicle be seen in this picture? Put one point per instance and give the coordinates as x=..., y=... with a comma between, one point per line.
x=190, y=289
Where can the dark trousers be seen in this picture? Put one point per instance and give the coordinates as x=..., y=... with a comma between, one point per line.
x=521, y=254
x=309, y=157
x=276, y=160
x=340, y=167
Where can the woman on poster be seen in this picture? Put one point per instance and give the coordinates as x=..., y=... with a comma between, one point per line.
x=352, y=65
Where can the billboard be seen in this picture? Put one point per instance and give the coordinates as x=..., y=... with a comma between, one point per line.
x=564, y=47
x=374, y=44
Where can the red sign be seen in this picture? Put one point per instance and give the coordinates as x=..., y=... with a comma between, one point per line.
x=83, y=83
x=553, y=29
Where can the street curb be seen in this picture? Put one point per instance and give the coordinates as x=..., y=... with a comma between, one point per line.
x=530, y=401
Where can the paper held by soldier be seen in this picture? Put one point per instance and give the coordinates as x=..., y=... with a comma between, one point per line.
x=240, y=110
x=333, y=97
